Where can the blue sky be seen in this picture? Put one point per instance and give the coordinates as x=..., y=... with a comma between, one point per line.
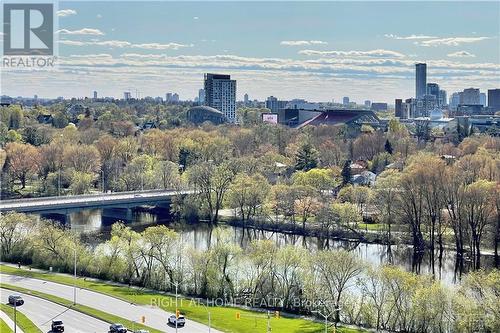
x=314, y=50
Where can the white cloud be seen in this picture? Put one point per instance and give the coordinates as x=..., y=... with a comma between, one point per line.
x=339, y=67
x=195, y=18
x=84, y=31
x=302, y=42
x=66, y=12
x=379, y=53
x=125, y=44
x=451, y=41
x=99, y=16
x=410, y=37
x=461, y=54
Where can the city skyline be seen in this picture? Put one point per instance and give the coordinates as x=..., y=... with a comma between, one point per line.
x=360, y=50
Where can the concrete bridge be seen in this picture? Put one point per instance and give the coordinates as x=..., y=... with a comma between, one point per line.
x=103, y=200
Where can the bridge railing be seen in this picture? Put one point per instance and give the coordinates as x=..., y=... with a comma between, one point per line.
x=97, y=195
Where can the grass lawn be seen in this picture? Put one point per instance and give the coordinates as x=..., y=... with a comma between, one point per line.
x=4, y=328
x=22, y=321
x=222, y=318
x=371, y=226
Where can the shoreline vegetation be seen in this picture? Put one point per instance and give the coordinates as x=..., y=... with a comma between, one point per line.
x=288, y=279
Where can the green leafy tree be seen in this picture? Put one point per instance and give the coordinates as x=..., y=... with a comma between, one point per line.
x=388, y=146
x=247, y=194
x=306, y=158
x=346, y=173
x=81, y=182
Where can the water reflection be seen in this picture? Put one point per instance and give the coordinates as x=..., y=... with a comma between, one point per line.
x=443, y=265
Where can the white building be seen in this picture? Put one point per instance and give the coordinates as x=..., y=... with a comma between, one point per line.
x=220, y=94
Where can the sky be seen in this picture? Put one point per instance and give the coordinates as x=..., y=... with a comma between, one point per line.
x=318, y=51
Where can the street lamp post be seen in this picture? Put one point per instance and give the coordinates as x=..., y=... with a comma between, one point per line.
x=74, y=280
x=209, y=316
x=326, y=319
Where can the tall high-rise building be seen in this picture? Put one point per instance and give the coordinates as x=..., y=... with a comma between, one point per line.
x=455, y=100
x=345, y=101
x=420, y=80
x=398, y=110
x=470, y=96
x=482, y=99
x=201, y=96
x=127, y=95
x=245, y=99
x=168, y=97
x=220, y=94
x=442, y=100
x=433, y=89
x=95, y=94
x=494, y=99
x=368, y=104
x=274, y=104
x=175, y=98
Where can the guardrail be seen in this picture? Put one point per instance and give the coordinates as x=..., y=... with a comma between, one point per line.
x=88, y=199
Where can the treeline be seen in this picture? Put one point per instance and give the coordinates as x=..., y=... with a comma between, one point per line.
x=288, y=278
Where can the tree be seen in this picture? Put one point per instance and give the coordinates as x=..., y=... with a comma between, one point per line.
x=347, y=214
x=386, y=195
x=346, y=173
x=336, y=272
x=82, y=158
x=15, y=228
x=306, y=206
x=388, y=146
x=479, y=206
x=161, y=245
x=22, y=161
x=16, y=117
x=320, y=180
x=247, y=194
x=306, y=157
x=81, y=182
x=477, y=303
x=212, y=182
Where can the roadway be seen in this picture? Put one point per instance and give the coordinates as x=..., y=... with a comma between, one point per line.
x=41, y=313
x=89, y=200
x=155, y=317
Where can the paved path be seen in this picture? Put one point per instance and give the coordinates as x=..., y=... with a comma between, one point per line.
x=41, y=312
x=155, y=317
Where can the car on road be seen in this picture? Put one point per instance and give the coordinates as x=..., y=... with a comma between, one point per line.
x=141, y=331
x=117, y=328
x=16, y=300
x=57, y=326
x=180, y=321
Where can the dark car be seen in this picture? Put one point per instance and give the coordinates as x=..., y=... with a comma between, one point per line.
x=57, y=326
x=117, y=328
x=16, y=300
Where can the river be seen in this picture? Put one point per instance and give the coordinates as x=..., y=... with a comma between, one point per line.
x=97, y=225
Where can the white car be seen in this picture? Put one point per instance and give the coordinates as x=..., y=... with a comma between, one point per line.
x=173, y=320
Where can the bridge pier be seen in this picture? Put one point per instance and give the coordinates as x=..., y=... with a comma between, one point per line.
x=124, y=214
x=63, y=217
